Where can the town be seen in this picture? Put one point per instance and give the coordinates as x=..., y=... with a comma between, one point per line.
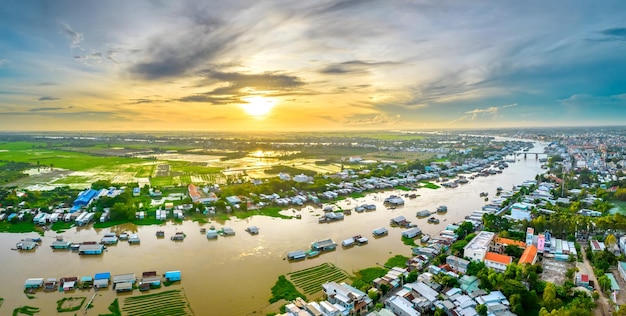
x=550, y=244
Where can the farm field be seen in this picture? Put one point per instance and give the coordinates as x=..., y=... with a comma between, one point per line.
x=167, y=303
x=310, y=280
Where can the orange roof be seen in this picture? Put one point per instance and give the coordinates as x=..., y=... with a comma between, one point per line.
x=496, y=257
x=529, y=255
x=508, y=242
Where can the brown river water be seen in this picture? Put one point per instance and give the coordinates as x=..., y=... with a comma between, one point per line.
x=233, y=275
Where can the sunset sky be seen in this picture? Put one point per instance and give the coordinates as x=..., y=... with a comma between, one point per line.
x=310, y=65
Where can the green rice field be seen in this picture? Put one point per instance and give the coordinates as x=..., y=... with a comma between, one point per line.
x=310, y=280
x=167, y=303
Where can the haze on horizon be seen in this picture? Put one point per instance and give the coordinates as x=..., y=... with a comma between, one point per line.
x=310, y=65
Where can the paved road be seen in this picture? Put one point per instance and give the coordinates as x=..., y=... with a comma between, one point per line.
x=603, y=308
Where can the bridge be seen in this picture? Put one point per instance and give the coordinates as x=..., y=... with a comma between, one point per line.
x=526, y=153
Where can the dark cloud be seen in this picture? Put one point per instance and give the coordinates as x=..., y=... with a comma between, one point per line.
x=47, y=98
x=619, y=32
x=237, y=86
x=46, y=109
x=352, y=66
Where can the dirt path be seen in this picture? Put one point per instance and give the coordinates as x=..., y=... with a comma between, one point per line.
x=603, y=305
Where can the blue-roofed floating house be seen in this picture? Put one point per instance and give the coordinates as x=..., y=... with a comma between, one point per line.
x=171, y=276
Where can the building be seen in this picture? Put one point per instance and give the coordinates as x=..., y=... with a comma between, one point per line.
x=478, y=247
x=582, y=280
x=84, y=198
x=500, y=244
x=301, y=178
x=529, y=256
x=497, y=261
x=401, y=306
x=621, y=267
x=457, y=264
x=354, y=301
x=172, y=276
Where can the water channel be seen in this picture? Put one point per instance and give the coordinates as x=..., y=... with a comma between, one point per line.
x=233, y=275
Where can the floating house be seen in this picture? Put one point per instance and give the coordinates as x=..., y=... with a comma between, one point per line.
x=86, y=281
x=423, y=213
x=296, y=255
x=33, y=283
x=412, y=233
x=324, y=245
x=60, y=244
x=90, y=249
x=109, y=239
x=178, y=236
x=101, y=280
x=348, y=242
x=172, y=276
x=134, y=239
x=124, y=282
x=50, y=284
x=382, y=231
x=442, y=209
x=26, y=244
x=227, y=231
x=211, y=234
x=253, y=230
x=123, y=287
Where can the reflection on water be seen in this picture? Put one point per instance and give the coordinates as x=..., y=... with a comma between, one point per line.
x=233, y=275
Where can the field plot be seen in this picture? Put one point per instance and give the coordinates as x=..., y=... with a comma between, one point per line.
x=310, y=280
x=168, y=303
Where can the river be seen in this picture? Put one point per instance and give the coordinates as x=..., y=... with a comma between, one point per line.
x=233, y=275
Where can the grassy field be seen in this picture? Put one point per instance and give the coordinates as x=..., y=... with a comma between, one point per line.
x=283, y=289
x=167, y=303
x=397, y=261
x=310, y=280
x=28, y=152
x=429, y=185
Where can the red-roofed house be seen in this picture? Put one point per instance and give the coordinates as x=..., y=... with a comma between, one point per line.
x=497, y=261
x=499, y=244
x=529, y=256
x=582, y=280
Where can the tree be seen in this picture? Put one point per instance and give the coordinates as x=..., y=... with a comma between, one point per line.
x=610, y=240
x=550, y=301
x=516, y=304
x=481, y=309
x=604, y=282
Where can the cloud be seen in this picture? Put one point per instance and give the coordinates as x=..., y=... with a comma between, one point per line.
x=3, y=62
x=585, y=101
x=235, y=86
x=353, y=66
x=87, y=59
x=379, y=118
x=75, y=37
x=47, y=98
x=491, y=112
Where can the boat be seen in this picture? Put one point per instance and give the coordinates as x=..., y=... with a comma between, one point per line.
x=433, y=220
x=202, y=230
x=442, y=209
x=425, y=238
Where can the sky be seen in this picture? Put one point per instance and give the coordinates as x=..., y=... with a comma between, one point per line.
x=279, y=65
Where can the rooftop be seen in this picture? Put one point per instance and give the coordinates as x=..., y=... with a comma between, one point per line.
x=496, y=257
x=481, y=240
x=510, y=242
x=529, y=255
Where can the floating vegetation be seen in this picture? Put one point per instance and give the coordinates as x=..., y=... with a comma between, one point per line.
x=70, y=304
x=167, y=303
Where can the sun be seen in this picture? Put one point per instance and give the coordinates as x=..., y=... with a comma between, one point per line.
x=258, y=106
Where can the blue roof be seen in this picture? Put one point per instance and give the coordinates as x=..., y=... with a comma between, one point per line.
x=85, y=197
x=86, y=278
x=102, y=276
x=172, y=273
x=136, y=190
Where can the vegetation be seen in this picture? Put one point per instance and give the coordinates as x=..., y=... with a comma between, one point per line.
x=283, y=289
x=70, y=304
x=408, y=241
x=429, y=185
x=397, y=261
x=310, y=280
x=363, y=278
x=172, y=302
x=25, y=310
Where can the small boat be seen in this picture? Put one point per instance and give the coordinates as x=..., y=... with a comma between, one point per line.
x=203, y=230
x=433, y=220
x=425, y=238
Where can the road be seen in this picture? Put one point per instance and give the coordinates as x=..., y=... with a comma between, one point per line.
x=603, y=305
